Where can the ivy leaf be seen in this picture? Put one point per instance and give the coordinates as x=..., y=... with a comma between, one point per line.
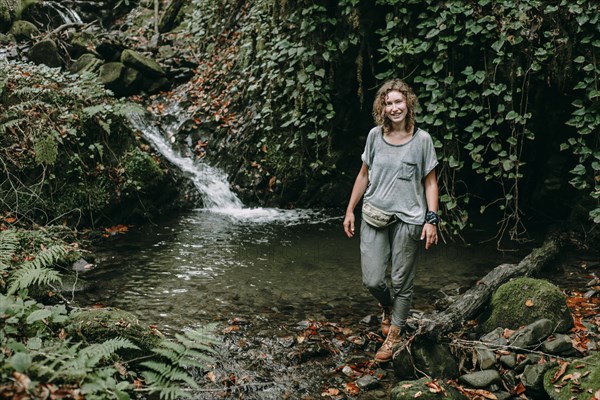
x=511, y=115
x=578, y=170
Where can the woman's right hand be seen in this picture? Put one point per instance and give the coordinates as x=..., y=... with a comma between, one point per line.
x=349, y=224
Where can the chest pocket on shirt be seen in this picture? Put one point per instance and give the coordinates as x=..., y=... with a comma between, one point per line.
x=407, y=171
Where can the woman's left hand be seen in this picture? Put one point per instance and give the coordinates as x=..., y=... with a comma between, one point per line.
x=430, y=235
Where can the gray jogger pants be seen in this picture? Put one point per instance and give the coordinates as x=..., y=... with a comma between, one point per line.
x=397, y=243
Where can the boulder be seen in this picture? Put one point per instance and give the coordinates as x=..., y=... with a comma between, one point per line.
x=86, y=63
x=524, y=300
x=533, y=379
x=532, y=335
x=118, y=78
x=100, y=324
x=45, y=52
x=142, y=63
x=580, y=380
x=425, y=357
x=24, y=30
x=481, y=379
x=83, y=42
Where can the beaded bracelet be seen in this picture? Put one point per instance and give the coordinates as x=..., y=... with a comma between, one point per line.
x=431, y=218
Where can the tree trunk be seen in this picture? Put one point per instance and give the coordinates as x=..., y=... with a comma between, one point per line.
x=472, y=302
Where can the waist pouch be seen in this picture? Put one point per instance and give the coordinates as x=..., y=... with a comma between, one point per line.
x=375, y=217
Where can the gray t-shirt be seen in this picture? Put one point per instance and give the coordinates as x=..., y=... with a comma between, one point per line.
x=397, y=173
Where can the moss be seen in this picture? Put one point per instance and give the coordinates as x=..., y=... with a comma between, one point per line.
x=522, y=301
x=419, y=389
x=99, y=325
x=141, y=170
x=585, y=377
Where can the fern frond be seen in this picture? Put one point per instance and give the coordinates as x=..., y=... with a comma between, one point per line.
x=50, y=256
x=29, y=275
x=11, y=124
x=8, y=246
x=168, y=391
x=107, y=348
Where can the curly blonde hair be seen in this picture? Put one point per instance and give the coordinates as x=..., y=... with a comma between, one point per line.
x=379, y=103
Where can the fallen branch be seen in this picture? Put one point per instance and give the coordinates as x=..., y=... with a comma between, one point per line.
x=472, y=302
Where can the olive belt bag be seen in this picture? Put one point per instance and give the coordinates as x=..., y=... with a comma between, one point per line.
x=375, y=217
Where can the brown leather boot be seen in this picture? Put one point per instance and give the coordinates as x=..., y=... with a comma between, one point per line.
x=386, y=350
x=386, y=320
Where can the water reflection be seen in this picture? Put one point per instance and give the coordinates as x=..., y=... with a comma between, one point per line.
x=212, y=266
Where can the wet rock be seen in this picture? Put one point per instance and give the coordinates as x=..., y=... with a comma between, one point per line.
x=533, y=379
x=367, y=382
x=508, y=360
x=81, y=265
x=532, y=334
x=495, y=337
x=45, y=52
x=486, y=358
x=155, y=85
x=24, y=30
x=579, y=380
x=559, y=345
x=429, y=358
x=531, y=359
x=525, y=300
x=481, y=379
x=142, y=63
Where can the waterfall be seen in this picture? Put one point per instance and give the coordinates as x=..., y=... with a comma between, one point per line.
x=67, y=15
x=210, y=181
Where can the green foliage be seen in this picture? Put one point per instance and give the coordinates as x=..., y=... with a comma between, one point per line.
x=37, y=349
x=190, y=350
x=35, y=267
x=477, y=65
x=282, y=55
x=62, y=142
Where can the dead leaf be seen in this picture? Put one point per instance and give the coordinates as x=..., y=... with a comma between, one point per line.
x=529, y=303
x=407, y=385
x=330, y=392
x=211, y=377
x=434, y=387
x=520, y=389
x=560, y=372
x=352, y=389
x=418, y=394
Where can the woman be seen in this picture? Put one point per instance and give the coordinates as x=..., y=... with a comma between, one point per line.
x=398, y=179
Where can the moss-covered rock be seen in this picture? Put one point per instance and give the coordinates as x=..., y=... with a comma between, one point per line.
x=24, y=30
x=142, y=171
x=523, y=301
x=86, y=63
x=142, y=63
x=99, y=325
x=45, y=52
x=580, y=380
x=419, y=389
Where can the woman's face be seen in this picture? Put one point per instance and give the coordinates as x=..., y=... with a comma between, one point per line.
x=395, y=107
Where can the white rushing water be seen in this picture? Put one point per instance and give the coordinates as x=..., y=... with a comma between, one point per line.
x=212, y=183
x=68, y=15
